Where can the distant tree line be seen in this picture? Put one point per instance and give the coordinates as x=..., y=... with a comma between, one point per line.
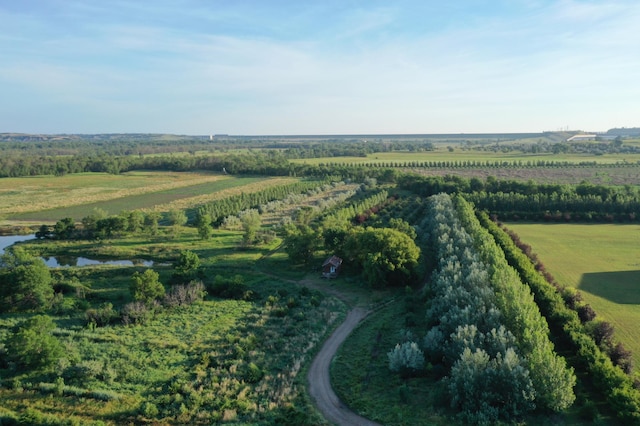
x=513, y=200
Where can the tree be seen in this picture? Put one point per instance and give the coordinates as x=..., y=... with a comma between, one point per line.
x=90, y=222
x=64, y=228
x=135, y=220
x=44, y=232
x=177, y=217
x=300, y=243
x=188, y=263
x=250, y=224
x=26, y=284
x=107, y=227
x=151, y=222
x=486, y=389
x=387, y=256
x=146, y=287
x=203, y=223
x=32, y=345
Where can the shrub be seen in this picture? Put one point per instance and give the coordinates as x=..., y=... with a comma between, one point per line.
x=135, y=313
x=180, y=295
x=101, y=316
x=228, y=287
x=406, y=359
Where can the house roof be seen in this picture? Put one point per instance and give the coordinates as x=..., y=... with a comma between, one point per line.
x=333, y=260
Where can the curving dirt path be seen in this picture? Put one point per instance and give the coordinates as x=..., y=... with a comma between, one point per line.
x=319, y=380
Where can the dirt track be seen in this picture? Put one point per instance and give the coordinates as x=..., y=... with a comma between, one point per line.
x=320, y=383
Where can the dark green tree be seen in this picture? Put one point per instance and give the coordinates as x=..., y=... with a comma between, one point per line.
x=64, y=228
x=33, y=346
x=146, y=287
x=387, y=256
x=300, y=242
x=203, y=223
x=25, y=283
x=188, y=263
x=151, y=223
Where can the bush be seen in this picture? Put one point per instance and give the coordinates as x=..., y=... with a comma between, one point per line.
x=228, y=287
x=180, y=295
x=102, y=316
x=135, y=313
x=406, y=359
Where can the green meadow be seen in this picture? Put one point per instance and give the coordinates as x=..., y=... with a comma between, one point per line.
x=602, y=261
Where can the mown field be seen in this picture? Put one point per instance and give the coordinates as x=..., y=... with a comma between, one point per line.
x=48, y=198
x=602, y=261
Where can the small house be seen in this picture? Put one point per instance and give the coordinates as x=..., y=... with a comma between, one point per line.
x=331, y=267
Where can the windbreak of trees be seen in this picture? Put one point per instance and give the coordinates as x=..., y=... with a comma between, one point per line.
x=485, y=326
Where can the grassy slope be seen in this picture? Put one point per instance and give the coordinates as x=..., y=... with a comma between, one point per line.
x=602, y=261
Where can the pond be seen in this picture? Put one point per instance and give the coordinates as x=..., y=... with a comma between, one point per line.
x=68, y=261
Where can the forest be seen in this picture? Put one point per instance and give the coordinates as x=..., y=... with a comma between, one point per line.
x=218, y=306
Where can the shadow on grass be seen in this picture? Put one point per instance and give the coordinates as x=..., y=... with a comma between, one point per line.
x=621, y=287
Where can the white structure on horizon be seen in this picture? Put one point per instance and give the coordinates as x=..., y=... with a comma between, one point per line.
x=576, y=138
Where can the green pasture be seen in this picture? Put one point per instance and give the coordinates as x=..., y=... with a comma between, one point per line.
x=135, y=202
x=602, y=261
x=460, y=155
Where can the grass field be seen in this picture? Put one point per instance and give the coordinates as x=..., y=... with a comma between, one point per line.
x=48, y=199
x=603, y=262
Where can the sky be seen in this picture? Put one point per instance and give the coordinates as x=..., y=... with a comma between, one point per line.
x=286, y=67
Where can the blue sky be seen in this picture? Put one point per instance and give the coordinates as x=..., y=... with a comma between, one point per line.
x=318, y=67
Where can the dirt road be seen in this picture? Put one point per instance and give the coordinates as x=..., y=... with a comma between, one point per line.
x=320, y=383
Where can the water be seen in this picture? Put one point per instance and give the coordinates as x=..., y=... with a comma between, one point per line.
x=68, y=261
x=9, y=240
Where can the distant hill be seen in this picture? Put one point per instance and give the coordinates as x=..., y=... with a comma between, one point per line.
x=624, y=131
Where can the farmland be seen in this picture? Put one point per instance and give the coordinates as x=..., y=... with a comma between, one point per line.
x=222, y=324
x=606, y=270
x=76, y=195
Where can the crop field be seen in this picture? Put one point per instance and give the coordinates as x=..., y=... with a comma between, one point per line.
x=76, y=195
x=602, y=261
